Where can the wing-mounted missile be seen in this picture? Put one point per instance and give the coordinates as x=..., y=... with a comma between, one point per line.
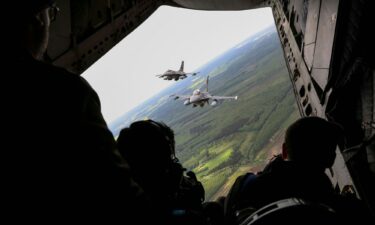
x=187, y=102
x=175, y=97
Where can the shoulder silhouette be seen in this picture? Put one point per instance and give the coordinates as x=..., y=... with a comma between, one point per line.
x=61, y=160
x=149, y=147
x=299, y=172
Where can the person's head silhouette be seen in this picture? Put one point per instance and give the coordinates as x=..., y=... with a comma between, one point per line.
x=30, y=29
x=312, y=141
x=148, y=146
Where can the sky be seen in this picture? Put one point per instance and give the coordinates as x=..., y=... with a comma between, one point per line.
x=125, y=76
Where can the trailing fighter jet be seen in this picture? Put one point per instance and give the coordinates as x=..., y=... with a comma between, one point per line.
x=201, y=97
x=176, y=75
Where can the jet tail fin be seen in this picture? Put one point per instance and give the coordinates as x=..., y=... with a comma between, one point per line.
x=182, y=66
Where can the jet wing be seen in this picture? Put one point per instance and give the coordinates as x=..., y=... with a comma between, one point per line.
x=193, y=74
x=223, y=97
x=183, y=97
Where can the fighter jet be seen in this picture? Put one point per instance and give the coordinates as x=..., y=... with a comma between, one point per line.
x=176, y=75
x=200, y=98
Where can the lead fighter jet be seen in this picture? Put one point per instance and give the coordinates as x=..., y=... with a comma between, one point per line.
x=201, y=97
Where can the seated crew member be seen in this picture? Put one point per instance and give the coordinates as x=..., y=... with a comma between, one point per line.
x=308, y=150
x=149, y=148
x=60, y=159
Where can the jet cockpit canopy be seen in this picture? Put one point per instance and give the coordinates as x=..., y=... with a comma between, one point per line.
x=196, y=92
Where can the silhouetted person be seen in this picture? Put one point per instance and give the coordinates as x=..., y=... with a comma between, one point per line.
x=149, y=148
x=308, y=150
x=60, y=160
x=214, y=210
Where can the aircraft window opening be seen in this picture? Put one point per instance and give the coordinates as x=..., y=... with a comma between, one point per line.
x=308, y=110
x=305, y=101
x=296, y=73
x=302, y=91
x=309, y=87
x=285, y=41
